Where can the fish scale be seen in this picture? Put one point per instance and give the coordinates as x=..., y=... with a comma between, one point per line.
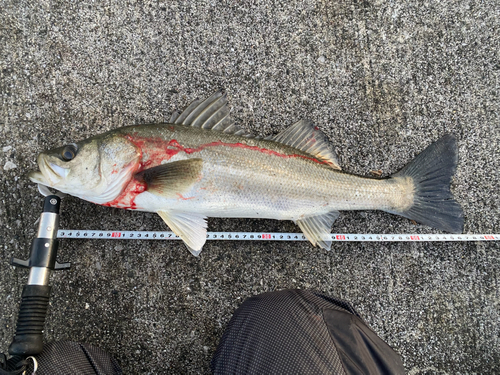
x=279, y=182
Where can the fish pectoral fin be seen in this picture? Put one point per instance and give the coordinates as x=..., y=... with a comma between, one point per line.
x=306, y=137
x=171, y=179
x=190, y=227
x=317, y=228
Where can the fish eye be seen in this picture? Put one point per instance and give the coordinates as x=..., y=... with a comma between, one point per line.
x=69, y=152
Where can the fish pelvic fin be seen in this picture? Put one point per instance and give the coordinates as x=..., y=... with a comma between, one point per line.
x=190, y=227
x=306, y=137
x=171, y=179
x=317, y=228
x=431, y=172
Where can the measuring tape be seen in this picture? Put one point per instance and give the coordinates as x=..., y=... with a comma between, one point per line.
x=257, y=236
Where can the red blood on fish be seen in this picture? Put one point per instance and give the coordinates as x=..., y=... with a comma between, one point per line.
x=163, y=149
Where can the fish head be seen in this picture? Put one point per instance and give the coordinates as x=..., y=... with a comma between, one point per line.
x=97, y=169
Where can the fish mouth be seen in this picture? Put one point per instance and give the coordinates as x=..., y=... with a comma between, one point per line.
x=49, y=173
x=38, y=178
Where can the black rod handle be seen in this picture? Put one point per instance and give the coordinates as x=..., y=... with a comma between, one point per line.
x=31, y=320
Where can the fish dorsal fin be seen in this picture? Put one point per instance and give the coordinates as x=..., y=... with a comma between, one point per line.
x=308, y=138
x=211, y=113
x=189, y=226
x=317, y=228
x=174, y=116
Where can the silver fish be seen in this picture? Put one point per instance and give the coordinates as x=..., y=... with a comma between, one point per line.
x=201, y=165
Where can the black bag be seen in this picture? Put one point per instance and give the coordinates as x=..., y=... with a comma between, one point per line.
x=67, y=358
x=301, y=332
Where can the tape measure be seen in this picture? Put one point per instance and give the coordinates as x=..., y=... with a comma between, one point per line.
x=258, y=236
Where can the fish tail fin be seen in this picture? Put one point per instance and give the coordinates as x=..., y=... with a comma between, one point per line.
x=431, y=172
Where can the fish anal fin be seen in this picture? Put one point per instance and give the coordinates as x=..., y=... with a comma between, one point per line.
x=317, y=228
x=170, y=179
x=306, y=137
x=190, y=227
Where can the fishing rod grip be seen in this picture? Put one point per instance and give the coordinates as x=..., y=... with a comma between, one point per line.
x=31, y=320
x=35, y=297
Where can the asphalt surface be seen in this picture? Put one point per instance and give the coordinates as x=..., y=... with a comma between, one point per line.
x=382, y=79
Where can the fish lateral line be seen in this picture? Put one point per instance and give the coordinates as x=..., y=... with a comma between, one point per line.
x=183, y=198
x=173, y=147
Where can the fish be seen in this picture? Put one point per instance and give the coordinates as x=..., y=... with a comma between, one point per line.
x=200, y=164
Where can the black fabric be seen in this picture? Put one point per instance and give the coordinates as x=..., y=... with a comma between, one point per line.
x=71, y=358
x=301, y=332
x=360, y=349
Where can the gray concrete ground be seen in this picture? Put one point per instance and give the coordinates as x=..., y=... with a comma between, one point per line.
x=382, y=79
